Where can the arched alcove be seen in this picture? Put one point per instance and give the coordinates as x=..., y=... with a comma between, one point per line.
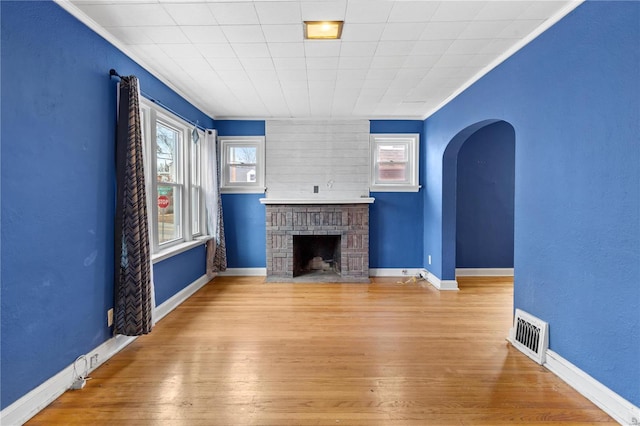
x=449, y=192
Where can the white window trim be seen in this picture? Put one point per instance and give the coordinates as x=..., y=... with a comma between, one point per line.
x=257, y=187
x=413, y=140
x=159, y=252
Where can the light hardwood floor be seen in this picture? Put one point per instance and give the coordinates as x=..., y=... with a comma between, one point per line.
x=241, y=352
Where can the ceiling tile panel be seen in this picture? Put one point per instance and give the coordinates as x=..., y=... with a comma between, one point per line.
x=502, y=10
x=395, y=48
x=323, y=63
x=314, y=48
x=458, y=10
x=353, y=62
x=180, y=50
x=367, y=11
x=286, y=50
x=238, y=13
x=190, y=13
x=462, y=47
x=358, y=48
x=362, y=32
x=431, y=47
x=204, y=34
x=321, y=75
x=402, y=31
x=324, y=10
x=225, y=63
x=443, y=30
x=290, y=33
x=215, y=50
x=166, y=35
x=352, y=74
x=413, y=11
x=251, y=50
x=285, y=12
x=484, y=29
x=243, y=33
x=394, y=62
x=264, y=64
x=290, y=63
x=421, y=61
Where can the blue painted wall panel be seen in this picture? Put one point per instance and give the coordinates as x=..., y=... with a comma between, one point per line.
x=395, y=222
x=244, y=216
x=572, y=98
x=175, y=273
x=245, y=230
x=484, y=198
x=58, y=177
x=240, y=127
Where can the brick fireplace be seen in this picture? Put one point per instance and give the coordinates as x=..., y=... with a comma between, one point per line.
x=339, y=253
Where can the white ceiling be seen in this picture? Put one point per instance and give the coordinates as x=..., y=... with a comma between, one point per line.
x=248, y=59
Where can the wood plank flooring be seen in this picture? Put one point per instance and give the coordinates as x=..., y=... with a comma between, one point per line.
x=242, y=352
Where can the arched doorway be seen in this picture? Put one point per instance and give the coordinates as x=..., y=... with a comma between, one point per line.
x=499, y=248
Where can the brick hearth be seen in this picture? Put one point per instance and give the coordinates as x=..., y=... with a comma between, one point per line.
x=349, y=221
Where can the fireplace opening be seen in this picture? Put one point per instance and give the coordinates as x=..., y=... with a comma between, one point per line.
x=316, y=254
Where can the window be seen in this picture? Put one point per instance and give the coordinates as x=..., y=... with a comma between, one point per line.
x=242, y=160
x=173, y=174
x=394, y=162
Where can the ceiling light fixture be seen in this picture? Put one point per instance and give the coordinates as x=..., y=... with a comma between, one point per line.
x=322, y=30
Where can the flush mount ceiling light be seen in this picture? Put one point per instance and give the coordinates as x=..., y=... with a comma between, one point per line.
x=322, y=30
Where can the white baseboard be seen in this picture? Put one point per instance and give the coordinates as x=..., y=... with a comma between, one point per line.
x=244, y=272
x=445, y=285
x=394, y=272
x=33, y=402
x=484, y=272
x=610, y=402
x=177, y=299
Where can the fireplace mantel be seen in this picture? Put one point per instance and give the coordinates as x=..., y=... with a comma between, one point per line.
x=316, y=201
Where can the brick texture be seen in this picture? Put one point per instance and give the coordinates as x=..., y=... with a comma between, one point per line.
x=349, y=221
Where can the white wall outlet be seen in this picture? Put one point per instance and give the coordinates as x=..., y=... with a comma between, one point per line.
x=404, y=272
x=93, y=361
x=110, y=317
x=429, y=260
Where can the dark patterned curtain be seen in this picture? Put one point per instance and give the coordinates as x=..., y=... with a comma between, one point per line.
x=133, y=288
x=216, y=247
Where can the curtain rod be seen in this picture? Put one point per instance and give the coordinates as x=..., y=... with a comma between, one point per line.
x=114, y=73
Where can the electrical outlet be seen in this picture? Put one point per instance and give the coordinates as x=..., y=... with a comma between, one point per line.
x=404, y=272
x=110, y=317
x=429, y=260
x=93, y=361
x=315, y=189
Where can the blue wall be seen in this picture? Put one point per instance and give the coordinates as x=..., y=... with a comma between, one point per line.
x=58, y=176
x=484, y=198
x=572, y=98
x=395, y=222
x=244, y=216
x=175, y=273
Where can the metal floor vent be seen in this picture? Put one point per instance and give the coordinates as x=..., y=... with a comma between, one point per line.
x=530, y=335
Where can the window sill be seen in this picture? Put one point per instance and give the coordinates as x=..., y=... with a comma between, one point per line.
x=177, y=249
x=391, y=188
x=243, y=190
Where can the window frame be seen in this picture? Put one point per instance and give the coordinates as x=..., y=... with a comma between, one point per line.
x=227, y=142
x=152, y=114
x=412, y=141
